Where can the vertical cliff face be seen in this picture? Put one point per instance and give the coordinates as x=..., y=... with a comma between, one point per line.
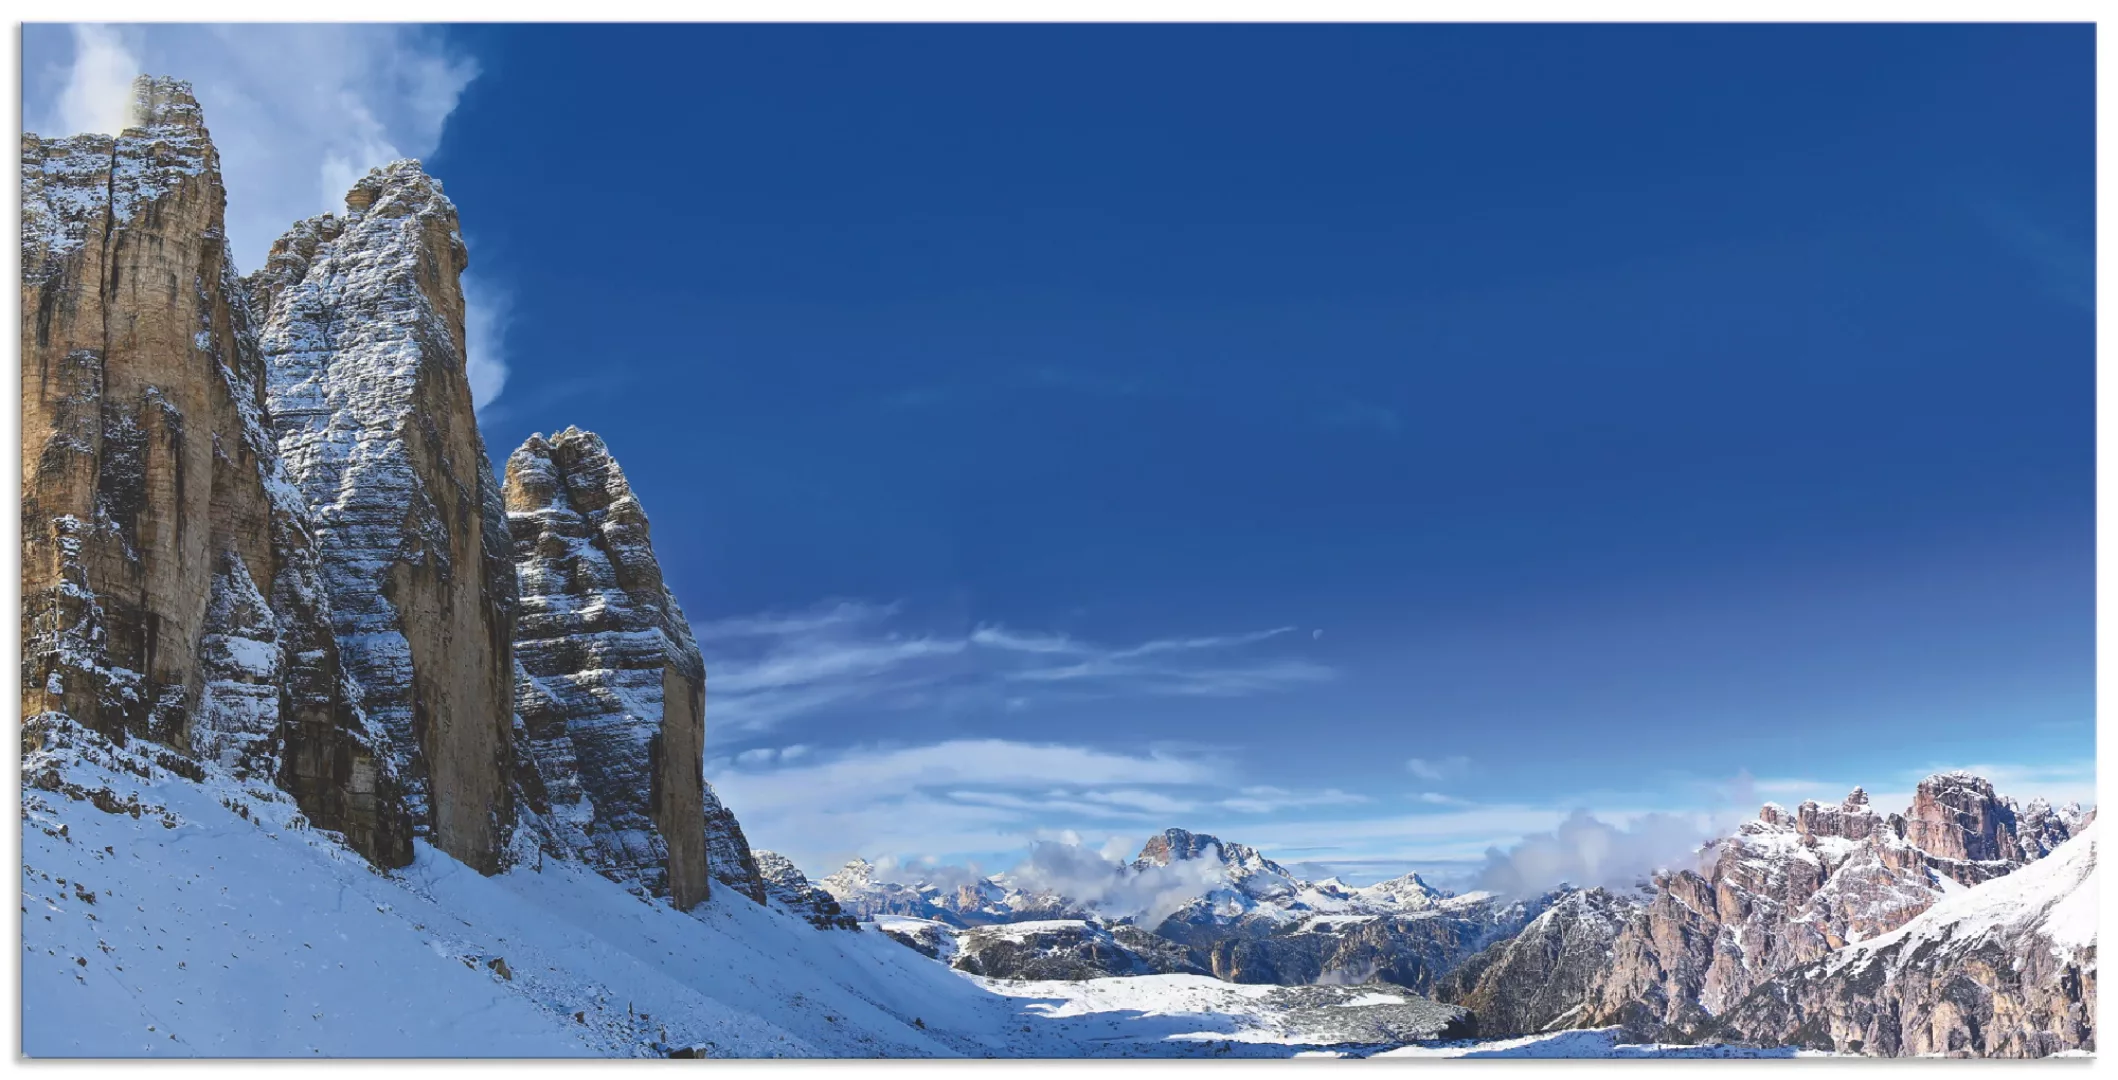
x=612, y=691
x=362, y=327
x=1786, y=890
x=169, y=581
x=728, y=855
x=2004, y=969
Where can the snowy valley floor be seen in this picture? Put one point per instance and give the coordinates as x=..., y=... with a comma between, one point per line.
x=212, y=923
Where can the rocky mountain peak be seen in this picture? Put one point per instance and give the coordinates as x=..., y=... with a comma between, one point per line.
x=159, y=101
x=1850, y=820
x=1786, y=889
x=364, y=334
x=399, y=188
x=1170, y=845
x=856, y=876
x=610, y=685
x=1409, y=891
x=1957, y=815
x=1176, y=845
x=785, y=883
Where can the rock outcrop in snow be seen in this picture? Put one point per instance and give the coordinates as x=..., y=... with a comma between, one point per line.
x=786, y=884
x=261, y=528
x=2004, y=969
x=728, y=855
x=170, y=586
x=611, y=689
x=1958, y=816
x=1785, y=890
x=363, y=327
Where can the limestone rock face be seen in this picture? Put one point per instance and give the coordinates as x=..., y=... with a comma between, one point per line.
x=1958, y=816
x=1787, y=889
x=362, y=328
x=728, y=855
x=2004, y=969
x=786, y=884
x=612, y=688
x=171, y=588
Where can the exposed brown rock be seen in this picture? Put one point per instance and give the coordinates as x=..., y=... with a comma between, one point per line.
x=2005, y=969
x=1786, y=890
x=169, y=584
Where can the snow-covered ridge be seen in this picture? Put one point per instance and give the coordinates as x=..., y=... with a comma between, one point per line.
x=181, y=912
x=2052, y=900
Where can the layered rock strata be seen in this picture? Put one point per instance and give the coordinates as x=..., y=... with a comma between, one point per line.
x=362, y=324
x=1787, y=889
x=2005, y=969
x=612, y=688
x=171, y=587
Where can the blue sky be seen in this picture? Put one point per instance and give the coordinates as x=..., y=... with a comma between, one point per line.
x=1367, y=443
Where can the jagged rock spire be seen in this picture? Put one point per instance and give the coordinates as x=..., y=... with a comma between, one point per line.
x=611, y=688
x=363, y=329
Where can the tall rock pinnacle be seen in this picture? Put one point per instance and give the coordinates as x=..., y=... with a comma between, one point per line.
x=363, y=330
x=612, y=688
x=170, y=586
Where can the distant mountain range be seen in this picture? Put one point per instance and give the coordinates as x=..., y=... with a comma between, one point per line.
x=1685, y=957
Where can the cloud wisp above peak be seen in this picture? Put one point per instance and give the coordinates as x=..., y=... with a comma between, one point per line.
x=768, y=668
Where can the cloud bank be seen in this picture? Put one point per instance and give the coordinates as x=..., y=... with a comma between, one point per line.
x=1111, y=886
x=1586, y=851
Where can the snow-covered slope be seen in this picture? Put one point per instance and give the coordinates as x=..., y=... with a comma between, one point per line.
x=216, y=923
x=201, y=916
x=2051, y=901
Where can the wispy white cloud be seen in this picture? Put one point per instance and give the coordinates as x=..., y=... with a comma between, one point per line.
x=487, y=311
x=95, y=93
x=1266, y=799
x=765, y=669
x=1447, y=768
x=970, y=796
